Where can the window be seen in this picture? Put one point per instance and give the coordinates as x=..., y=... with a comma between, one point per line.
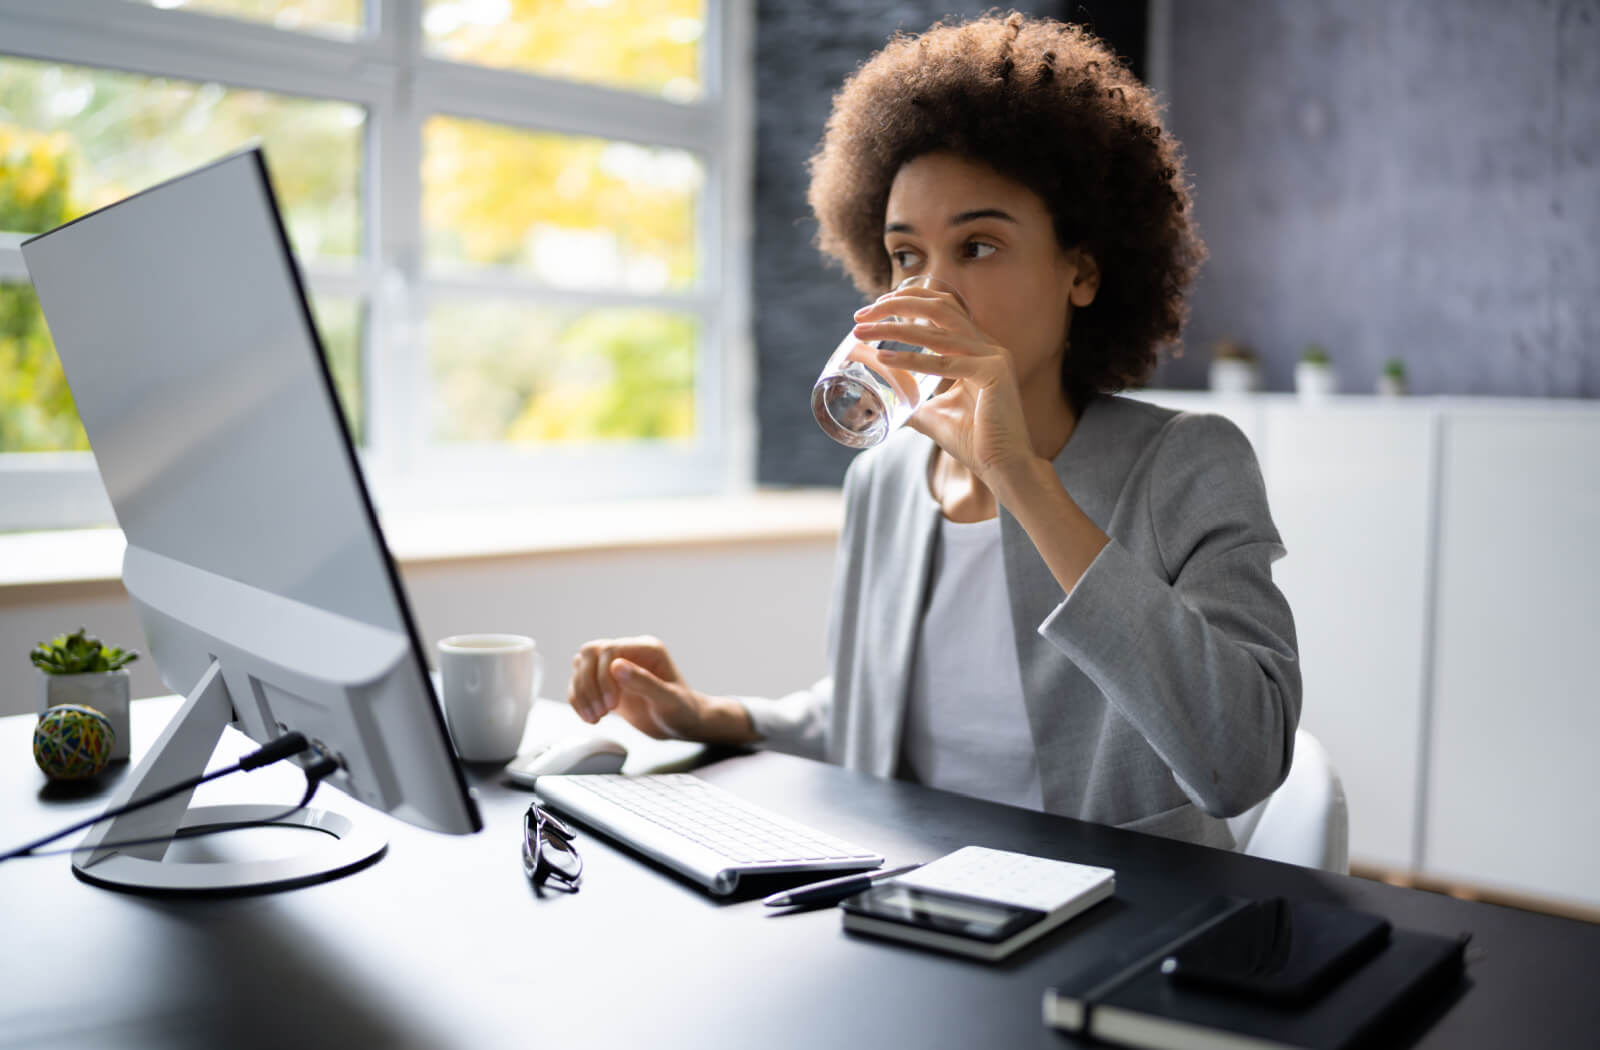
x=514, y=218
x=342, y=18
x=651, y=46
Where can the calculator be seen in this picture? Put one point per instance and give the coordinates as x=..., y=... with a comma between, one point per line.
x=1009, y=878
x=978, y=901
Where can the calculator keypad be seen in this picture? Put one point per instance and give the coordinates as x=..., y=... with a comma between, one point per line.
x=1013, y=878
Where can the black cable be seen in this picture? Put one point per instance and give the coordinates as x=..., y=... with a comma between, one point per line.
x=285, y=746
x=316, y=772
x=280, y=748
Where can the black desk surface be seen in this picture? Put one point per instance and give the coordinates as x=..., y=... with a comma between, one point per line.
x=443, y=943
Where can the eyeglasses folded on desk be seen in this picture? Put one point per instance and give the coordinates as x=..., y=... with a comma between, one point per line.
x=548, y=855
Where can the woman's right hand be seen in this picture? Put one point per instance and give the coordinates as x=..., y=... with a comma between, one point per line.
x=636, y=678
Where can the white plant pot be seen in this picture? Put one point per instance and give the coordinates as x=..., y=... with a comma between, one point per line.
x=1313, y=381
x=1229, y=375
x=105, y=691
x=1391, y=386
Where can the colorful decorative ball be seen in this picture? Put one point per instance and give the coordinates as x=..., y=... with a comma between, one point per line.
x=72, y=742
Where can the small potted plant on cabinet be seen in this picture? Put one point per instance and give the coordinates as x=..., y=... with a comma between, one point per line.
x=1313, y=376
x=79, y=669
x=1233, y=368
x=1392, y=380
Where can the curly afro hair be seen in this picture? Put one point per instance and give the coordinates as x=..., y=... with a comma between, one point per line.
x=1048, y=105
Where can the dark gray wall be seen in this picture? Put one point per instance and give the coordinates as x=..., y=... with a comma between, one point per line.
x=1411, y=179
x=804, y=50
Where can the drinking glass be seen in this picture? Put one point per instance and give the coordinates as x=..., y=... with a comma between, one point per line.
x=858, y=401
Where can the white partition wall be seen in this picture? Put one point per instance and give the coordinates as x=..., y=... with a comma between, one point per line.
x=745, y=618
x=1351, y=491
x=1514, y=776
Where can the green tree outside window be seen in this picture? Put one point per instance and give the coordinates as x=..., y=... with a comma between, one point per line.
x=36, y=410
x=559, y=210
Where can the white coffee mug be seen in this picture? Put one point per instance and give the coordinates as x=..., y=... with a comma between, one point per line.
x=489, y=682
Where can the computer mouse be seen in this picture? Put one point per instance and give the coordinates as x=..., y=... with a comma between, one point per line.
x=577, y=754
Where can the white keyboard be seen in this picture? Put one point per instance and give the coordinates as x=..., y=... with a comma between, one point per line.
x=698, y=829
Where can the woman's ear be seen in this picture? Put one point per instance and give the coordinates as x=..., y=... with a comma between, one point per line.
x=1085, y=279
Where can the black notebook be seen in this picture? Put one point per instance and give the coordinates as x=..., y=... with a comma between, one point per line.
x=1128, y=1000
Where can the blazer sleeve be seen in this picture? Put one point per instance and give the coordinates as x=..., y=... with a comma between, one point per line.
x=796, y=723
x=1201, y=658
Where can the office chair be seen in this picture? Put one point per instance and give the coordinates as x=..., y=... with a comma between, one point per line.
x=1305, y=821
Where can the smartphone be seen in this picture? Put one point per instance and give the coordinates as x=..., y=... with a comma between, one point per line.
x=1280, y=949
x=978, y=920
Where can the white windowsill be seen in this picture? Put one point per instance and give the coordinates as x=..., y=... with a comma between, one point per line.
x=41, y=559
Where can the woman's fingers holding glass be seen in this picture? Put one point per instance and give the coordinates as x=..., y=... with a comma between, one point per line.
x=927, y=286
x=948, y=366
x=858, y=401
x=923, y=361
x=925, y=304
x=934, y=340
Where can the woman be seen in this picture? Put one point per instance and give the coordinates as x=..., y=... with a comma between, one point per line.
x=1045, y=594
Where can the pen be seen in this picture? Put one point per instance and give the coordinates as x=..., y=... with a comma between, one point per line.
x=833, y=889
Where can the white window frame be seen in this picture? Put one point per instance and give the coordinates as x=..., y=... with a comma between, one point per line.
x=386, y=71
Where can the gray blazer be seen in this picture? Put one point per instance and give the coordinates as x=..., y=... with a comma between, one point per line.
x=1162, y=693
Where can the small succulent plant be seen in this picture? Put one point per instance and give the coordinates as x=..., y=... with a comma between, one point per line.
x=1231, y=350
x=77, y=653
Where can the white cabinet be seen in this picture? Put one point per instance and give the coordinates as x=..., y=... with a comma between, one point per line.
x=1514, y=778
x=1350, y=492
x=1445, y=580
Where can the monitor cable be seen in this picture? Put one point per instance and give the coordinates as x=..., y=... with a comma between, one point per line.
x=285, y=746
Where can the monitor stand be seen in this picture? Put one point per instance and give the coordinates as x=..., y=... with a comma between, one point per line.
x=336, y=845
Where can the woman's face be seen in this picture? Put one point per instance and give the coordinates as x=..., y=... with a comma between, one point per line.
x=994, y=241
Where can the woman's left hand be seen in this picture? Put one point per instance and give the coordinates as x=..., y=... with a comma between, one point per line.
x=977, y=416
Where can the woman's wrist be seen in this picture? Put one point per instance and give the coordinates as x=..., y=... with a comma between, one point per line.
x=1065, y=537
x=1022, y=480
x=724, y=720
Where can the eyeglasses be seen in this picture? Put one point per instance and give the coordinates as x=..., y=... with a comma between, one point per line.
x=547, y=851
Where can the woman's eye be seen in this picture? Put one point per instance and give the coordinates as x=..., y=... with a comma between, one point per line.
x=903, y=258
x=979, y=250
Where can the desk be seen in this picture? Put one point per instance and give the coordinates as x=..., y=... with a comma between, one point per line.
x=442, y=943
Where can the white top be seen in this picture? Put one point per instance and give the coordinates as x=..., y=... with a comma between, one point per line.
x=966, y=728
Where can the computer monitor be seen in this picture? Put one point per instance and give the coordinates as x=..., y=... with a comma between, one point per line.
x=255, y=560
